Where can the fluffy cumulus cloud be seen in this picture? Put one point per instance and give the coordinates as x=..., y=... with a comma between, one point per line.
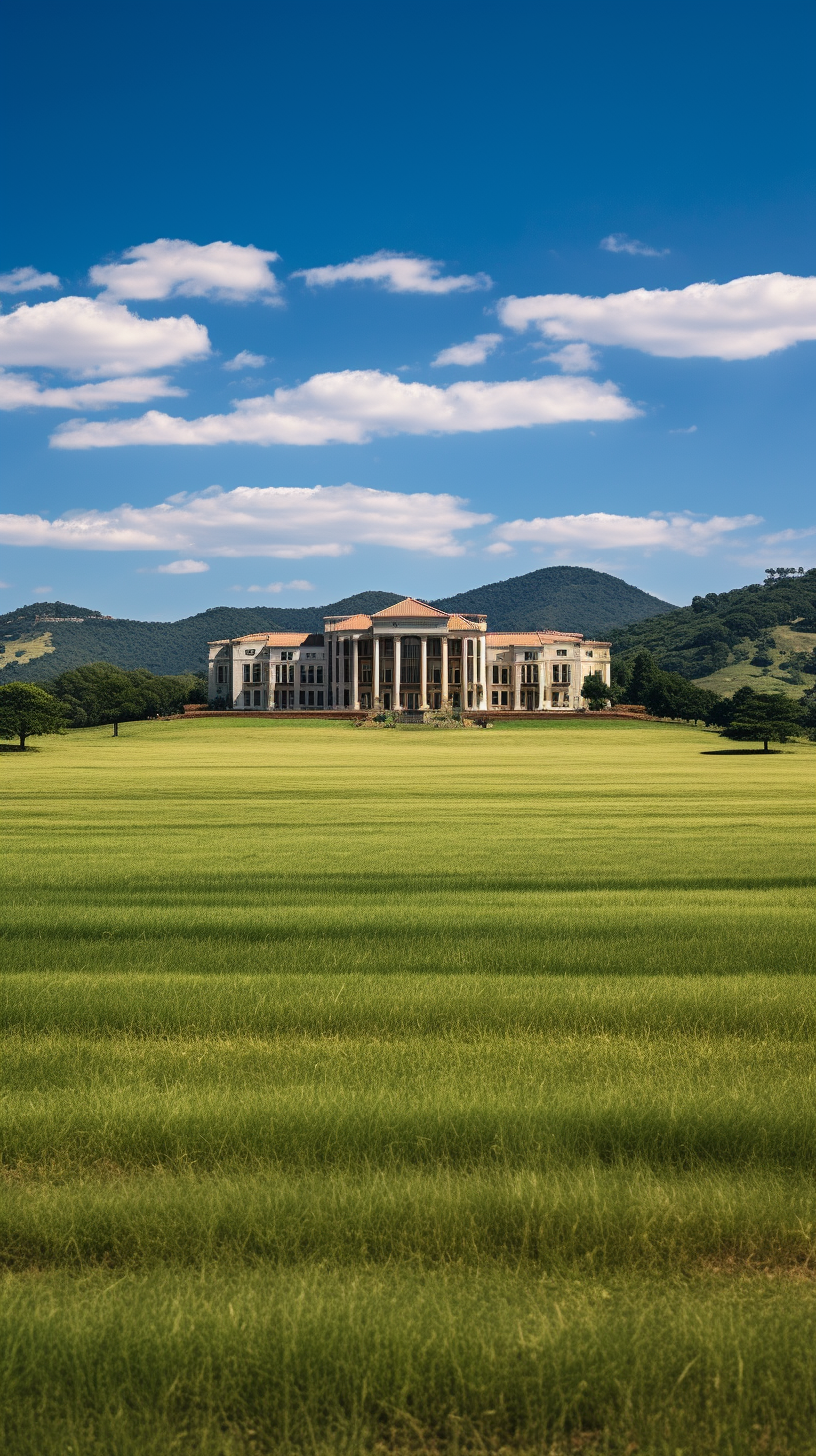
x=172, y=268
x=574, y=358
x=398, y=272
x=744, y=319
x=185, y=567
x=600, y=531
x=278, y=521
x=473, y=353
x=20, y=391
x=245, y=360
x=27, y=280
x=355, y=405
x=620, y=243
x=89, y=337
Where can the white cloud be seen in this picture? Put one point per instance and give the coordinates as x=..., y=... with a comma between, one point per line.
x=20, y=391
x=172, y=268
x=599, y=531
x=26, y=280
x=43, y=591
x=574, y=358
x=276, y=521
x=399, y=272
x=744, y=319
x=500, y=548
x=779, y=538
x=620, y=243
x=245, y=360
x=689, y=430
x=353, y=406
x=279, y=586
x=473, y=353
x=89, y=337
x=185, y=567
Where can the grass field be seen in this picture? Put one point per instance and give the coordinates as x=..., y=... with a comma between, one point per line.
x=408, y=1092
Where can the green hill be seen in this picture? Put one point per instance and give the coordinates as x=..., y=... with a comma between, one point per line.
x=572, y=598
x=569, y=598
x=725, y=640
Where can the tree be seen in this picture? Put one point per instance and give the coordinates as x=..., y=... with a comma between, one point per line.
x=765, y=718
x=28, y=711
x=100, y=692
x=596, y=691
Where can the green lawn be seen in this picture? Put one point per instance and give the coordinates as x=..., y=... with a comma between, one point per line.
x=408, y=1092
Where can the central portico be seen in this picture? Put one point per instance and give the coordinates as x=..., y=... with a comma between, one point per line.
x=410, y=655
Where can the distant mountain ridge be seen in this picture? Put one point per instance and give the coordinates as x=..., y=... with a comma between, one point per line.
x=567, y=598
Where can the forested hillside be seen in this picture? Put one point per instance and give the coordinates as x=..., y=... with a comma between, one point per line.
x=569, y=598
x=572, y=598
x=732, y=636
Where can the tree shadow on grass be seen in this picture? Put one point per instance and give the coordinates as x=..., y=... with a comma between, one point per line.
x=15, y=748
x=739, y=752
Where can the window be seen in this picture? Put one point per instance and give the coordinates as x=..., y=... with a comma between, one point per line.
x=246, y=672
x=365, y=700
x=434, y=647
x=286, y=657
x=365, y=646
x=495, y=679
x=311, y=699
x=256, y=672
x=387, y=647
x=411, y=653
x=320, y=700
x=249, y=652
x=560, y=651
x=590, y=654
x=494, y=697
x=247, y=697
x=505, y=674
x=437, y=675
x=531, y=657
x=256, y=698
x=457, y=702
x=437, y=702
x=387, y=701
x=302, y=673
x=504, y=700
x=388, y=674
x=302, y=700
x=457, y=676
x=222, y=675
x=345, y=697
x=365, y=672
x=455, y=645
x=311, y=674
x=319, y=674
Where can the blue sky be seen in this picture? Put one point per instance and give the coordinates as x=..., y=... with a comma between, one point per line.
x=607, y=213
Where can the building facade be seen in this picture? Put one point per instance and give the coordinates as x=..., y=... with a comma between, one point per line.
x=411, y=656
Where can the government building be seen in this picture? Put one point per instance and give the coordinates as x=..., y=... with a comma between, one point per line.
x=410, y=656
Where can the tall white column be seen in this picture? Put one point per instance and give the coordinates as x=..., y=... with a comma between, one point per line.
x=355, y=670
x=540, y=686
x=445, y=689
x=483, y=669
x=423, y=672
x=376, y=685
x=517, y=673
x=395, y=702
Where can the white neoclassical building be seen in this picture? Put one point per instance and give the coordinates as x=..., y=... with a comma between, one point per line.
x=410, y=656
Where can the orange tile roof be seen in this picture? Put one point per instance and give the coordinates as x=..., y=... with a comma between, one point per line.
x=359, y=623
x=410, y=607
x=272, y=639
x=461, y=624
